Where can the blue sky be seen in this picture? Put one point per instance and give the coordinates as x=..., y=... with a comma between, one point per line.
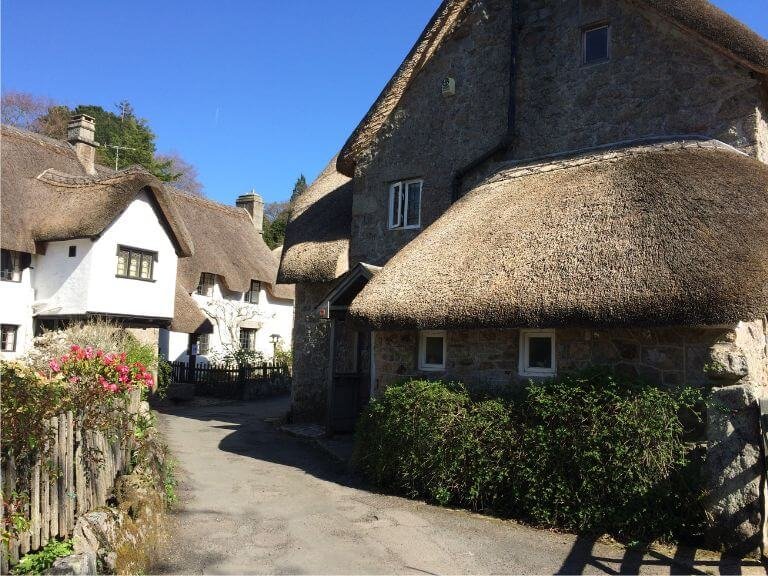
x=251, y=92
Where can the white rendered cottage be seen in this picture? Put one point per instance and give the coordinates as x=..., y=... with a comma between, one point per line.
x=79, y=240
x=227, y=297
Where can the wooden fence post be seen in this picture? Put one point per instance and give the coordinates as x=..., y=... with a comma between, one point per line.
x=55, y=483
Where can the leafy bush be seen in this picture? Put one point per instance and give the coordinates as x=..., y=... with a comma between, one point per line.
x=583, y=452
x=39, y=562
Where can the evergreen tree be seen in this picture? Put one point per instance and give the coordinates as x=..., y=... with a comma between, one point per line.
x=299, y=188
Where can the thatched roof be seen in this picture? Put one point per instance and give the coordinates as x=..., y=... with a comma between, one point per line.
x=46, y=195
x=671, y=234
x=317, y=235
x=226, y=244
x=281, y=291
x=719, y=29
x=187, y=315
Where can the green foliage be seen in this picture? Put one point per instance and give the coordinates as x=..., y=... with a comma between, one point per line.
x=169, y=481
x=283, y=356
x=28, y=400
x=584, y=453
x=164, y=379
x=299, y=188
x=39, y=562
x=274, y=229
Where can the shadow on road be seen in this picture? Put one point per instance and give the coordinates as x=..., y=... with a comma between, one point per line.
x=253, y=434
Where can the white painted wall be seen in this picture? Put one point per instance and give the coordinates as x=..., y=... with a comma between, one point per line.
x=137, y=227
x=16, y=308
x=275, y=316
x=61, y=282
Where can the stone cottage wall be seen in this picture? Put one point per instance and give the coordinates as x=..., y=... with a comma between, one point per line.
x=729, y=362
x=430, y=136
x=662, y=356
x=311, y=347
x=660, y=80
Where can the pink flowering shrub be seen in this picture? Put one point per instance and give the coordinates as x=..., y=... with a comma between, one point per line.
x=98, y=384
x=108, y=373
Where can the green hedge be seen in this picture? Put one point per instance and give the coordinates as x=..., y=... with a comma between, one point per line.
x=584, y=453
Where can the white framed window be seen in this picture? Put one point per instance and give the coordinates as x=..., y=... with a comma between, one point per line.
x=248, y=338
x=537, y=353
x=206, y=284
x=11, y=266
x=433, y=350
x=405, y=204
x=595, y=44
x=8, y=333
x=252, y=295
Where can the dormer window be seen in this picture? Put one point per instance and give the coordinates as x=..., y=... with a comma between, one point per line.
x=206, y=284
x=405, y=204
x=135, y=263
x=10, y=270
x=595, y=44
x=252, y=295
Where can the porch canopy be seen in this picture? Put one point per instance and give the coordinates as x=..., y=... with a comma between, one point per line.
x=656, y=234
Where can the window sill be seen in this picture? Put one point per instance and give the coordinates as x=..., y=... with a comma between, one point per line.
x=428, y=368
x=404, y=228
x=132, y=278
x=9, y=280
x=529, y=374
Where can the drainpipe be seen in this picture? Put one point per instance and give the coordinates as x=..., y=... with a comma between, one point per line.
x=509, y=136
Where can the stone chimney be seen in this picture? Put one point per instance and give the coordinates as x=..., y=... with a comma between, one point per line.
x=80, y=132
x=254, y=205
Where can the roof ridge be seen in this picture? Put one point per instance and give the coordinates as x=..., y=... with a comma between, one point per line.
x=605, y=153
x=53, y=176
x=60, y=145
x=211, y=203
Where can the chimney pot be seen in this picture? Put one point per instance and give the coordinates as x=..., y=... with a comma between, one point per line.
x=254, y=205
x=80, y=133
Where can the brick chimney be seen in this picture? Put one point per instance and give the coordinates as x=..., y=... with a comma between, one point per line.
x=80, y=132
x=254, y=205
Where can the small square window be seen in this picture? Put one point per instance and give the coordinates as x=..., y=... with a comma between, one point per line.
x=537, y=353
x=432, y=350
x=596, y=44
x=203, y=344
x=72, y=251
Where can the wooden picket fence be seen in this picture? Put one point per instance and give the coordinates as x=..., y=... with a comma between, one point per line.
x=79, y=477
x=233, y=382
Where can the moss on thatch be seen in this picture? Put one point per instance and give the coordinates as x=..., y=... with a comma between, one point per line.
x=656, y=235
x=317, y=235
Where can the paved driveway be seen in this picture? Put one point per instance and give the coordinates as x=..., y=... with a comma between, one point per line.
x=256, y=501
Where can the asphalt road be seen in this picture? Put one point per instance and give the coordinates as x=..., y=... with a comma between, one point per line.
x=254, y=500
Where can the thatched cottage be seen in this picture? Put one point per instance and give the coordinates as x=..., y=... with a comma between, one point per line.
x=226, y=294
x=80, y=240
x=543, y=186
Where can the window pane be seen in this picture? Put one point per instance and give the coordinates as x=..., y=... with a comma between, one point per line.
x=596, y=45
x=146, y=266
x=433, y=350
x=135, y=262
x=414, y=204
x=396, y=206
x=122, y=262
x=203, y=342
x=540, y=352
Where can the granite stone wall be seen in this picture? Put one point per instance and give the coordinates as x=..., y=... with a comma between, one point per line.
x=662, y=356
x=659, y=80
x=311, y=347
x=430, y=136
